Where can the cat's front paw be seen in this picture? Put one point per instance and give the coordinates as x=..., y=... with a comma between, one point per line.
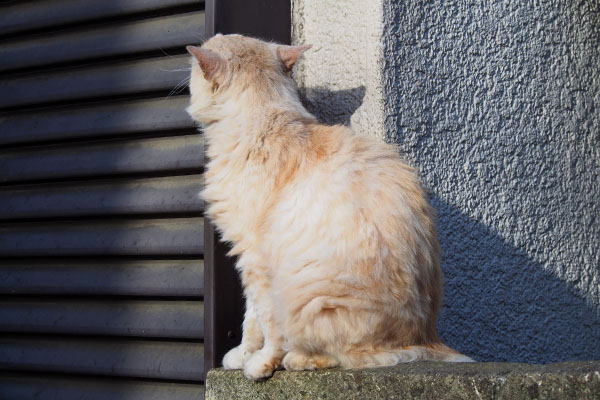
x=261, y=365
x=236, y=357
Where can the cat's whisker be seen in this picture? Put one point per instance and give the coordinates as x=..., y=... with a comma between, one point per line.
x=174, y=92
x=176, y=70
x=179, y=87
x=166, y=54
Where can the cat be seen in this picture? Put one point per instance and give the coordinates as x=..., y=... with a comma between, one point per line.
x=336, y=243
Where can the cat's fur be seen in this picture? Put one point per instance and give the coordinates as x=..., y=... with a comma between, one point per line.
x=337, y=245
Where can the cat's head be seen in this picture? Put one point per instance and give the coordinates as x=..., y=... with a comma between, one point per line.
x=228, y=70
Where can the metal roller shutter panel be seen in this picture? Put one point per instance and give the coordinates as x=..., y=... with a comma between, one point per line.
x=101, y=224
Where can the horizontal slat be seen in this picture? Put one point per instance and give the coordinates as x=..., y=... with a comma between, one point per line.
x=114, y=277
x=27, y=16
x=177, y=236
x=28, y=387
x=127, y=78
x=98, y=121
x=101, y=159
x=179, y=194
x=114, y=40
x=143, y=318
x=133, y=358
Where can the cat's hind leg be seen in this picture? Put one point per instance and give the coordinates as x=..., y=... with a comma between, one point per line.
x=296, y=360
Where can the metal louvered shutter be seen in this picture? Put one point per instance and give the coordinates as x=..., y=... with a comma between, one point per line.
x=101, y=226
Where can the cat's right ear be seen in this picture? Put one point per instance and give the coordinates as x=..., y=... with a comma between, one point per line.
x=210, y=62
x=288, y=55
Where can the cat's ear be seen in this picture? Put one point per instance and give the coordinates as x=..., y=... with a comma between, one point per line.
x=210, y=62
x=288, y=55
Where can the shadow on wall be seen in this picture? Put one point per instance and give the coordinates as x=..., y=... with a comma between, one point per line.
x=333, y=107
x=500, y=305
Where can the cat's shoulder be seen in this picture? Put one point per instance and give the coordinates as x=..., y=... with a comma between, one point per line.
x=330, y=139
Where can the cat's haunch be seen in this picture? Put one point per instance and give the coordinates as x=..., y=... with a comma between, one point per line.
x=336, y=243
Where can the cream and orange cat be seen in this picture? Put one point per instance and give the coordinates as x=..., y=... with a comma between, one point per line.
x=336, y=242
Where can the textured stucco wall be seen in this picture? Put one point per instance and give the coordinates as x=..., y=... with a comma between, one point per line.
x=340, y=76
x=498, y=105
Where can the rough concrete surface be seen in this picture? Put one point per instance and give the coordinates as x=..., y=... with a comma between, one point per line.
x=433, y=381
x=497, y=103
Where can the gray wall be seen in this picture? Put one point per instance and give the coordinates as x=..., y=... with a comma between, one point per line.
x=498, y=105
x=341, y=75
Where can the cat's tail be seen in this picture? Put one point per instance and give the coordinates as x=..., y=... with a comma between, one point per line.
x=379, y=358
x=433, y=352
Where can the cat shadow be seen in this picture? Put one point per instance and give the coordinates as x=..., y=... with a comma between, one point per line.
x=334, y=107
x=501, y=305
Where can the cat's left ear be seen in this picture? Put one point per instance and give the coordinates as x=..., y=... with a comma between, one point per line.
x=210, y=62
x=288, y=55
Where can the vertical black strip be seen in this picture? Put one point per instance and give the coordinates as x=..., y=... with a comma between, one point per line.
x=223, y=301
x=265, y=19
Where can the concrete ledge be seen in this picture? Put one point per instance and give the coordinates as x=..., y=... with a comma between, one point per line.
x=423, y=380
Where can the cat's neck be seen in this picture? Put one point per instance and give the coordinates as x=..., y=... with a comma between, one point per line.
x=252, y=117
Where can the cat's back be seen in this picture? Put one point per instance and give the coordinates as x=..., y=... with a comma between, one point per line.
x=353, y=188
x=363, y=166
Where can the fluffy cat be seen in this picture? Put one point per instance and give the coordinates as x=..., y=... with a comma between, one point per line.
x=336, y=243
